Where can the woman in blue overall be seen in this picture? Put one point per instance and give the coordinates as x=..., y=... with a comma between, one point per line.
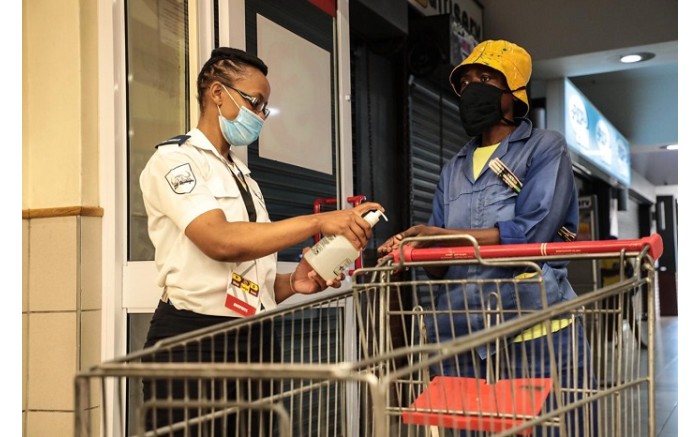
x=538, y=205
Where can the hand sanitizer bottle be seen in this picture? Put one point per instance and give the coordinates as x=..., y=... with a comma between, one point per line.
x=334, y=253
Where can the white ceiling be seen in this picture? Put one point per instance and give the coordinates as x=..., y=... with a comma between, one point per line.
x=583, y=42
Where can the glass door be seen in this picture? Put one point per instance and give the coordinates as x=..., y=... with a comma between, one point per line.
x=164, y=44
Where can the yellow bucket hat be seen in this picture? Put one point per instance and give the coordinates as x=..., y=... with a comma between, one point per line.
x=508, y=58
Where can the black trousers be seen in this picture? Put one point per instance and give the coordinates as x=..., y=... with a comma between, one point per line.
x=254, y=344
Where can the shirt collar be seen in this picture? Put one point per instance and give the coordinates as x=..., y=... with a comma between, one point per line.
x=523, y=131
x=199, y=140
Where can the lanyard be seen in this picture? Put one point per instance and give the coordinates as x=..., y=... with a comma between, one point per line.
x=247, y=198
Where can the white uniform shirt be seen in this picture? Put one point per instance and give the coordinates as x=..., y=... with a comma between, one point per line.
x=179, y=183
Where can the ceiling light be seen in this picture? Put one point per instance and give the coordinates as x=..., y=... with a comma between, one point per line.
x=670, y=147
x=636, y=57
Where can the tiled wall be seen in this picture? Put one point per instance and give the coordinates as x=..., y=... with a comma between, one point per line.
x=61, y=317
x=61, y=226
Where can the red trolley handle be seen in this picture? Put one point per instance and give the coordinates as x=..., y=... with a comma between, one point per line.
x=411, y=254
x=355, y=200
x=323, y=201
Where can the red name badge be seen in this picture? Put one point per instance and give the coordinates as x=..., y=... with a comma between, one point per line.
x=239, y=306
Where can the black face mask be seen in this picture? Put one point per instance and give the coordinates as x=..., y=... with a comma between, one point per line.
x=480, y=108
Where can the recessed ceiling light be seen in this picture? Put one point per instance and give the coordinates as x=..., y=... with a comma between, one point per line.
x=636, y=57
x=670, y=147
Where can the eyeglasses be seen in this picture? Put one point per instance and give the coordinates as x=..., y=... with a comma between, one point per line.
x=258, y=105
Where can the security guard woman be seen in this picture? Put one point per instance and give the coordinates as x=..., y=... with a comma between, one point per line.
x=215, y=246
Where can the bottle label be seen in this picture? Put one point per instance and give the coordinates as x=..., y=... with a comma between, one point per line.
x=342, y=266
x=325, y=241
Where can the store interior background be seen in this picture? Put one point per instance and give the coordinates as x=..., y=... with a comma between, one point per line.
x=582, y=42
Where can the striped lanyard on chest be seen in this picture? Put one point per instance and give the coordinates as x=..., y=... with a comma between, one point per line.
x=247, y=198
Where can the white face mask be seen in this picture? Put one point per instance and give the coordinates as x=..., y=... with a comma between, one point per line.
x=242, y=130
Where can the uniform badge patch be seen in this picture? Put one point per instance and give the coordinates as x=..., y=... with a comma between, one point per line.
x=181, y=179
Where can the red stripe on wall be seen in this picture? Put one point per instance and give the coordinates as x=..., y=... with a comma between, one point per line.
x=327, y=6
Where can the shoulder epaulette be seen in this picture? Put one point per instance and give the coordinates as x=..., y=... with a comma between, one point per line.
x=179, y=140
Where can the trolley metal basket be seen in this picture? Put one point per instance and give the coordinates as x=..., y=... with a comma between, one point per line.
x=384, y=359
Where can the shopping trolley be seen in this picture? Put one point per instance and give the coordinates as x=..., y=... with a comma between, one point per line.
x=372, y=361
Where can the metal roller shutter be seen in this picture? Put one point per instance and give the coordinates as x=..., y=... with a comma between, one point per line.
x=436, y=136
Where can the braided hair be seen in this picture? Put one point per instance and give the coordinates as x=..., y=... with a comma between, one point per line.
x=228, y=64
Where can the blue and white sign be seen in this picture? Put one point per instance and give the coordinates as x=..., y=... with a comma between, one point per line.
x=593, y=137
